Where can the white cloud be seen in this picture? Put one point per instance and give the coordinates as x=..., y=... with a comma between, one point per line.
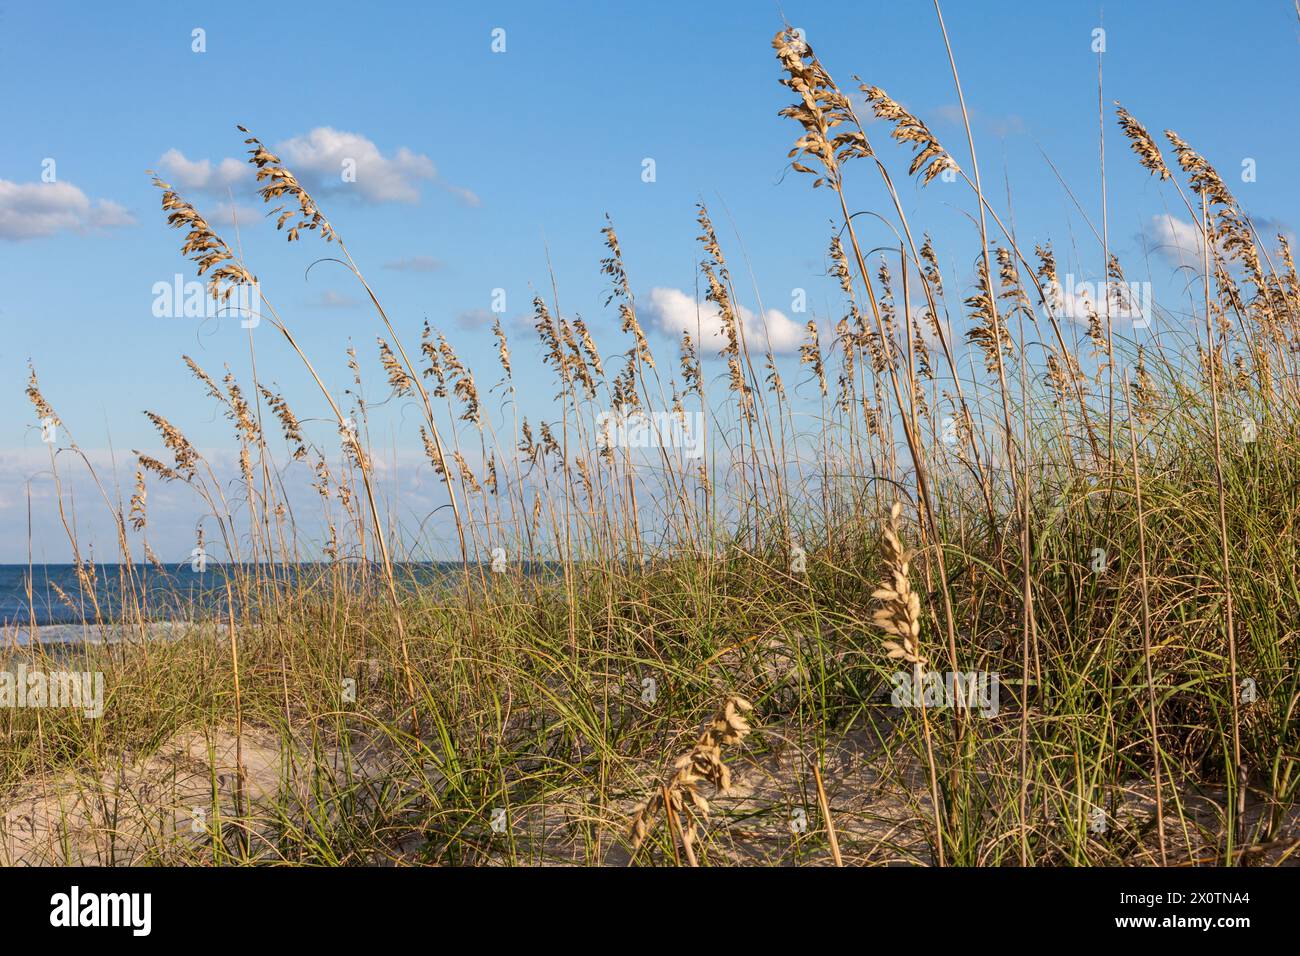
x=324, y=154
x=333, y=299
x=1078, y=303
x=999, y=125
x=476, y=319
x=33, y=210
x=673, y=311
x=326, y=160
x=202, y=175
x=950, y=113
x=927, y=329
x=224, y=214
x=1077, y=300
x=467, y=196
x=1178, y=240
x=1270, y=228
x=862, y=107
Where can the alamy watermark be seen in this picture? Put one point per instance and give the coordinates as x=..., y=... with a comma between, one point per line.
x=959, y=690
x=179, y=299
x=25, y=688
x=133, y=911
x=665, y=429
x=1121, y=300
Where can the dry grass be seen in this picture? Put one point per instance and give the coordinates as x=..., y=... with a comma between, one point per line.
x=681, y=800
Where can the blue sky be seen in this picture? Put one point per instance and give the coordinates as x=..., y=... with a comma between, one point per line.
x=475, y=165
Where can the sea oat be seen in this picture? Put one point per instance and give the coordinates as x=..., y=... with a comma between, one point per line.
x=288, y=422
x=612, y=266
x=1202, y=176
x=1144, y=145
x=930, y=267
x=773, y=379
x=153, y=465
x=690, y=364
x=899, y=615
x=398, y=380
x=43, y=410
x=466, y=475
x=435, y=455
x=503, y=348
x=430, y=350
x=930, y=158
x=576, y=360
x=701, y=764
x=810, y=353
x=139, y=517
x=589, y=347
x=187, y=458
x=206, y=379
x=239, y=411
x=989, y=332
x=278, y=181
x=202, y=245
x=554, y=352
x=832, y=133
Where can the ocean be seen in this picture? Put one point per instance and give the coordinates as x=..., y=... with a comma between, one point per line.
x=51, y=596
x=39, y=602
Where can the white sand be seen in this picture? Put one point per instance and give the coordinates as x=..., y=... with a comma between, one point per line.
x=93, y=633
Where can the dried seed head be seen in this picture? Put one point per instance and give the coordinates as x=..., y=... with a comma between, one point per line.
x=1062, y=374
x=612, y=266
x=1143, y=388
x=576, y=361
x=466, y=475
x=701, y=764
x=690, y=364
x=138, y=516
x=43, y=410
x=279, y=182
x=153, y=465
x=288, y=422
x=239, y=412
x=1046, y=264
x=351, y=444
x=930, y=267
x=430, y=350
x=930, y=158
x=899, y=614
x=832, y=134
x=1202, y=176
x=774, y=377
x=468, y=394
x=503, y=349
x=840, y=266
x=398, y=380
x=989, y=333
x=206, y=379
x=202, y=245
x=1143, y=144
x=810, y=353
x=589, y=347
x=435, y=454
x=187, y=458
x=530, y=448
x=550, y=337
